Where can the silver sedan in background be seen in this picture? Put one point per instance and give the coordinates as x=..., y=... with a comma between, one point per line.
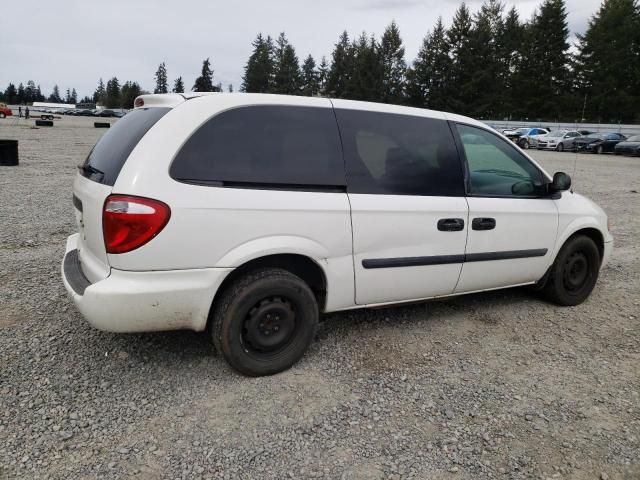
x=559, y=140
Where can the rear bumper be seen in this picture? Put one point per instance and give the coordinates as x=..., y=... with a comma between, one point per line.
x=142, y=301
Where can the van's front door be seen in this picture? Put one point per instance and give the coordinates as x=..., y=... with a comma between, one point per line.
x=512, y=223
x=409, y=215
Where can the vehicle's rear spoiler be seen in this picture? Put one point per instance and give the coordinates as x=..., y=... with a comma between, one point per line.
x=166, y=99
x=162, y=100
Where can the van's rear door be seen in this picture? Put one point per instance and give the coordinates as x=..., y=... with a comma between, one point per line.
x=95, y=180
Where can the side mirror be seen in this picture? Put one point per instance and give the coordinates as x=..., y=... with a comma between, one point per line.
x=561, y=182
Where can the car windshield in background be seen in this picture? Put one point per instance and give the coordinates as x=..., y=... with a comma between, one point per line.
x=601, y=136
x=634, y=138
x=557, y=133
x=522, y=130
x=107, y=158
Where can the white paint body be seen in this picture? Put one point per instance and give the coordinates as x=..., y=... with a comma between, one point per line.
x=171, y=282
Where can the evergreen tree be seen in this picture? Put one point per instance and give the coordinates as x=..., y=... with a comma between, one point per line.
x=204, y=83
x=393, y=65
x=30, y=92
x=459, y=88
x=608, y=63
x=55, y=95
x=484, y=86
x=178, y=85
x=86, y=99
x=366, y=76
x=67, y=97
x=427, y=80
x=258, y=73
x=39, y=95
x=21, y=94
x=509, y=41
x=541, y=81
x=161, y=79
x=11, y=94
x=112, y=93
x=310, y=77
x=341, y=69
x=286, y=79
x=128, y=94
x=323, y=73
x=100, y=93
x=74, y=96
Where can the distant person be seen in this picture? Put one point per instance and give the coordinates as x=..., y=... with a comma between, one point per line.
x=26, y=113
x=19, y=112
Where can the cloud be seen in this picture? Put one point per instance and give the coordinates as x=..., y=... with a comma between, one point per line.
x=388, y=4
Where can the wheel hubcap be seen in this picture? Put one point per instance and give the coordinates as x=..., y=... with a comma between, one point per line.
x=269, y=325
x=576, y=271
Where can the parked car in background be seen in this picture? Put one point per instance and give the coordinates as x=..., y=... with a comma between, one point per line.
x=104, y=113
x=599, y=142
x=631, y=146
x=559, y=140
x=5, y=111
x=297, y=196
x=119, y=114
x=523, y=137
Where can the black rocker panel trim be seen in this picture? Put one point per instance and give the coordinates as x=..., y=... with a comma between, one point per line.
x=411, y=261
x=448, y=259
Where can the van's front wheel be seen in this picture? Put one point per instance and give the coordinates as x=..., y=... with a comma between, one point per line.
x=574, y=272
x=265, y=321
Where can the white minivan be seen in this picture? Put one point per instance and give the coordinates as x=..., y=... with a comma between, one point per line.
x=250, y=215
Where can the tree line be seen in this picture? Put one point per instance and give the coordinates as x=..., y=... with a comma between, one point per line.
x=486, y=64
x=30, y=93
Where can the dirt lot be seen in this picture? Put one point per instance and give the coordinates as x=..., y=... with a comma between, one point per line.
x=497, y=385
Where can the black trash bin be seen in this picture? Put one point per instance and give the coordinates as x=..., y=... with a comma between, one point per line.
x=8, y=152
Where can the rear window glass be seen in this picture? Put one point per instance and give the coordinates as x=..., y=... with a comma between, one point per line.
x=265, y=145
x=111, y=152
x=394, y=154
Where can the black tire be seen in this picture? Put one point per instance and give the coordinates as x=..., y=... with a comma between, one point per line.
x=264, y=322
x=560, y=147
x=574, y=272
x=599, y=150
x=525, y=145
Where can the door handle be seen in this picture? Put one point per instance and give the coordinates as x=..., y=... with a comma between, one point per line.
x=450, y=224
x=483, y=223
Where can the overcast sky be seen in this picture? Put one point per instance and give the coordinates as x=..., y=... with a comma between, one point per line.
x=75, y=42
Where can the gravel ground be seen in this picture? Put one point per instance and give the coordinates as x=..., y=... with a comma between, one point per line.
x=496, y=385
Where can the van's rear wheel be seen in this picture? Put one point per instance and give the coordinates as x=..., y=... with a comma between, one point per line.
x=265, y=321
x=574, y=272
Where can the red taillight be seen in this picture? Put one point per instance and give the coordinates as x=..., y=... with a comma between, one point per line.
x=130, y=222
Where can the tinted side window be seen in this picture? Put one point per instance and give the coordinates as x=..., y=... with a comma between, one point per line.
x=110, y=153
x=279, y=145
x=399, y=154
x=496, y=168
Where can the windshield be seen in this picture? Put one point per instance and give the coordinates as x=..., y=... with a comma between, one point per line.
x=557, y=133
x=522, y=130
x=634, y=138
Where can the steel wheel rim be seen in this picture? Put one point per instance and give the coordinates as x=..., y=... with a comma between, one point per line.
x=269, y=326
x=576, y=272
